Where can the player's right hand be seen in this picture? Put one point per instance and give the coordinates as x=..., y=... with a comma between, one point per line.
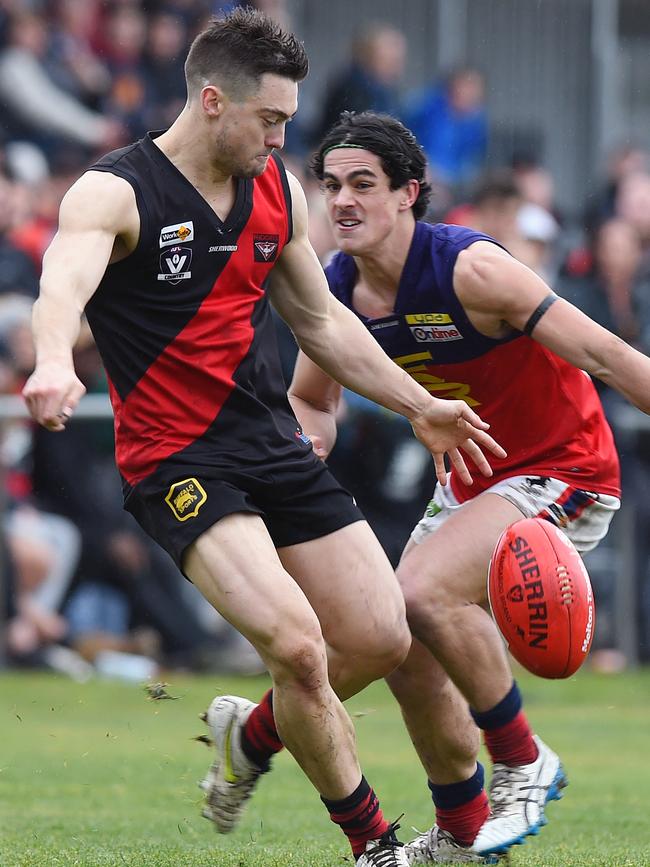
x=52, y=393
x=444, y=427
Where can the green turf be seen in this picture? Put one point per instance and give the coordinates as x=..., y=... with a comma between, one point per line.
x=98, y=774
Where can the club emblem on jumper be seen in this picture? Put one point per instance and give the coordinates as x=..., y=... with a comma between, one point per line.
x=175, y=265
x=185, y=499
x=178, y=232
x=265, y=247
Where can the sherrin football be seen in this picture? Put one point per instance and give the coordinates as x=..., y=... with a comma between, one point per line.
x=541, y=598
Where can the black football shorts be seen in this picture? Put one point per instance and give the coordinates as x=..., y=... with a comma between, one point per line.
x=298, y=501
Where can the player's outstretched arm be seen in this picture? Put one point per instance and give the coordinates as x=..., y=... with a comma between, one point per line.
x=335, y=340
x=314, y=397
x=98, y=209
x=492, y=284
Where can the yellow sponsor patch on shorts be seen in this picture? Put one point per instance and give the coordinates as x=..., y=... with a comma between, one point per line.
x=186, y=498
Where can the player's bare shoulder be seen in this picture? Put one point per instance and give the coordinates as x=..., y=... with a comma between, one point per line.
x=476, y=266
x=100, y=202
x=479, y=286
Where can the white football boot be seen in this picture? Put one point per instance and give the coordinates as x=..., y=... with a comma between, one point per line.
x=386, y=851
x=518, y=796
x=439, y=847
x=232, y=777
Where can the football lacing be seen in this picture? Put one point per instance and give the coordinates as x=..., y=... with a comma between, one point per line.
x=567, y=594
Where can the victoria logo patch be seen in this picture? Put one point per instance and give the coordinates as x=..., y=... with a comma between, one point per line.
x=186, y=498
x=175, y=265
x=265, y=247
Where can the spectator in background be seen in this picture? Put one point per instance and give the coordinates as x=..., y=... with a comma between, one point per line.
x=535, y=183
x=34, y=108
x=622, y=161
x=370, y=80
x=494, y=210
x=71, y=60
x=163, y=68
x=276, y=9
x=609, y=286
x=539, y=232
x=633, y=205
x=526, y=229
x=450, y=121
x=17, y=271
x=36, y=227
x=609, y=283
x=42, y=548
x=124, y=34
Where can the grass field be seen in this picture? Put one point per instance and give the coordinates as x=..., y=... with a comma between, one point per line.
x=98, y=774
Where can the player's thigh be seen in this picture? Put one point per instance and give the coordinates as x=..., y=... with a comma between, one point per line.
x=351, y=585
x=236, y=567
x=449, y=566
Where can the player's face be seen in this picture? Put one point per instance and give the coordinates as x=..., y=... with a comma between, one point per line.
x=253, y=128
x=362, y=208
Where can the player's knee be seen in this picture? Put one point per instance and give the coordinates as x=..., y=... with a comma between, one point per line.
x=427, y=605
x=384, y=652
x=299, y=657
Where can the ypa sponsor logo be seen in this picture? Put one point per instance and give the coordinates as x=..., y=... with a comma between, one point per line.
x=178, y=232
x=175, y=265
x=435, y=333
x=428, y=319
x=265, y=247
x=186, y=498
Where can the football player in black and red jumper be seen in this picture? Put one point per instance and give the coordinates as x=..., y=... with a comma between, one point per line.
x=175, y=246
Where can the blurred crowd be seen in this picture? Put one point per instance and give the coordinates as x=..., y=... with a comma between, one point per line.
x=84, y=590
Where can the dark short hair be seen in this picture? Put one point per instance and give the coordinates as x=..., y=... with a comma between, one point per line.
x=401, y=156
x=236, y=50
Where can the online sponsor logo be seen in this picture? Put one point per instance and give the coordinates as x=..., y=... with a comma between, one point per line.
x=175, y=265
x=223, y=248
x=185, y=499
x=178, y=232
x=265, y=247
x=428, y=319
x=435, y=333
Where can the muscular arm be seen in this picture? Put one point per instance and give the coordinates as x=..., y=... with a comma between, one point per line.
x=334, y=339
x=98, y=216
x=494, y=289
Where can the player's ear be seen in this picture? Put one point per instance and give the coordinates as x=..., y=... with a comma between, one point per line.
x=410, y=193
x=212, y=100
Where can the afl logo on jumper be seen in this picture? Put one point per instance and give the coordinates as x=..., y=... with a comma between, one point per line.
x=178, y=232
x=175, y=265
x=185, y=499
x=265, y=247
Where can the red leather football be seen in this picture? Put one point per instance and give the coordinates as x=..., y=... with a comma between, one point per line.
x=541, y=598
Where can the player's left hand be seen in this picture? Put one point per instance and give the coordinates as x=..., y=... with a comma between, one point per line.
x=444, y=427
